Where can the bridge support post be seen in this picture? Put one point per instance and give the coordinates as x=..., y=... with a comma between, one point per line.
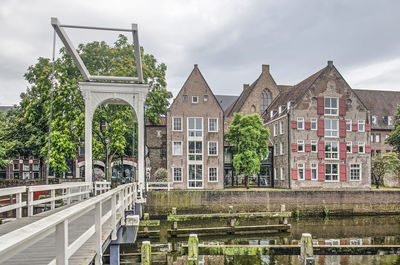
x=193, y=249
x=98, y=234
x=114, y=217
x=62, y=243
x=146, y=253
x=114, y=254
x=306, y=249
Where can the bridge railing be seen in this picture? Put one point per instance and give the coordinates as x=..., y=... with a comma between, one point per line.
x=14, y=204
x=122, y=198
x=159, y=186
x=101, y=187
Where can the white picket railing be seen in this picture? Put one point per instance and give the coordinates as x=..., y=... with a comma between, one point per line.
x=17, y=240
x=159, y=186
x=101, y=187
x=11, y=193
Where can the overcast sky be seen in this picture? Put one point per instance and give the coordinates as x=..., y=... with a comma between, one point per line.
x=229, y=39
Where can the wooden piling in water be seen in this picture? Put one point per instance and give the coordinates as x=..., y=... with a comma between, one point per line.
x=306, y=249
x=146, y=253
x=193, y=249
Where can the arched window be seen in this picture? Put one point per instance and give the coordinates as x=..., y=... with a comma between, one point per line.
x=265, y=100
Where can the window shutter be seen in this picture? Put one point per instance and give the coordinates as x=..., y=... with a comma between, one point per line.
x=294, y=147
x=308, y=125
x=368, y=149
x=355, y=148
x=355, y=125
x=320, y=105
x=294, y=173
x=308, y=147
x=342, y=128
x=343, y=172
x=321, y=172
x=321, y=149
x=368, y=127
x=343, y=151
x=342, y=106
x=294, y=124
x=321, y=129
x=308, y=173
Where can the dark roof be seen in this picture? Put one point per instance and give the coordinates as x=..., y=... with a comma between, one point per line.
x=380, y=104
x=225, y=100
x=5, y=108
x=291, y=94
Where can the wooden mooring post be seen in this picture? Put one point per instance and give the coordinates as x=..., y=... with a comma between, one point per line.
x=306, y=249
x=146, y=253
x=193, y=249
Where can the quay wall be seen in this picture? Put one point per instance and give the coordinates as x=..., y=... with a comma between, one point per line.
x=307, y=202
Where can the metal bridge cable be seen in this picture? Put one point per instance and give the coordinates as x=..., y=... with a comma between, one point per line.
x=52, y=81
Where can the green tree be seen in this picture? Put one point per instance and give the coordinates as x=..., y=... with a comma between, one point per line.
x=249, y=141
x=382, y=164
x=3, y=142
x=394, y=136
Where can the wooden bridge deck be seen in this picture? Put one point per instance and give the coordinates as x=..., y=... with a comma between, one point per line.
x=44, y=251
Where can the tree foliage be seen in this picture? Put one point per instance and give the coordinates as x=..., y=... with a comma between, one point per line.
x=382, y=164
x=394, y=136
x=249, y=141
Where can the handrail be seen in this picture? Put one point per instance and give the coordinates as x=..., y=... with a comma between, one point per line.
x=19, y=239
x=17, y=191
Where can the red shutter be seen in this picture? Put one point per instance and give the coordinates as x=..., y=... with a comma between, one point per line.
x=343, y=151
x=355, y=127
x=308, y=147
x=321, y=149
x=368, y=149
x=321, y=129
x=320, y=105
x=355, y=148
x=343, y=172
x=294, y=173
x=368, y=127
x=342, y=106
x=308, y=125
x=294, y=124
x=294, y=147
x=308, y=173
x=321, y=172
x=342, y=128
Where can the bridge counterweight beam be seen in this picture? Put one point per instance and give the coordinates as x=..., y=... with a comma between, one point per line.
x=62, y=243
x=98, y=234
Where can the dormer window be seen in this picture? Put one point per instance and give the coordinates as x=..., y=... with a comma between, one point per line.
x=374, y=119
x=195, y=99
x=280, y=109
x=390, y=120
x=272, y=114
x=205, y=98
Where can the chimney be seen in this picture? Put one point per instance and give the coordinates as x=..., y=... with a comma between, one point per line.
x=245, y=86
x=265, y=68
x=196, y=65
x=330, y=63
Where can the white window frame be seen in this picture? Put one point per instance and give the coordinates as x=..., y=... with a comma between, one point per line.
x=34, y=167
x=216, y=176
x=359, y=172
x=281, y=127
x=390, y=120
x=275, y=149
x=197, y=180
x=25, y=167
x=205, y=98
x=378, y=138
x=338, y=172
x=374, y=119
x=331, y=152
x=361, y=145
x=300, y=166
x=314, y=121
x=330, y=109
x=314, y=143
x=173, y=174
x=349, y=122
x=314, y=168
x=216, y=124
x=173, y=148
x=282, y=173
x=300, y=142
x=194, y=130
x=25, y=175
x=173, y=124
x=275, y=129
x=331, y=131
x=361, y=123
x=372, y=137
x=216, y=148
x=195, y=101
x=351, y=147
x=300, y=120
x=195, y=154
x=275, y=173
x=281, y=148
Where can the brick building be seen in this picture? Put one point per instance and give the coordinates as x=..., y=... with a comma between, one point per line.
x=195, y=136
x=320, y=132
x=22, y=167
x=156, y=142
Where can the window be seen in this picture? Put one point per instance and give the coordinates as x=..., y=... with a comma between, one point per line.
x=265, y=100
x=177, y=148
x=386, y=136
x=348, y=125
x=275, y=174
x=212, y=148
x=36, y=175
x=361, y=126
x=281, y=127
x=195, y=176
x=275, y=129
x=378, y=151
x=25, y=175
x=282, y=148
x=349, y=147
x=331, y=106
x=25, y=167
x=185, y=98
x=372, y=137
x=213, y=124
x=205, y=98
x=314, y=175
x=35, y=167
x=313, y=124
x=195, y=152
x=300, y=168
x=16, y=167
x=355, y=171
x=378, y=138
x=195, y=128
x=177, y=172
x=300, y=146
x=314, y=146
x=331, y=128
x=16, y=175
x=300, y=123
x=195, y=99
x=212, y=174
x=331, y=150
x=373, y=120
x=275, y=149
x=361, y=148
x=177, y=124
x=390, y=120
x=331, y=172
x=282, y=173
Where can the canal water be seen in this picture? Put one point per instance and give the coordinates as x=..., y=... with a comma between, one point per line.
x=366, y=230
